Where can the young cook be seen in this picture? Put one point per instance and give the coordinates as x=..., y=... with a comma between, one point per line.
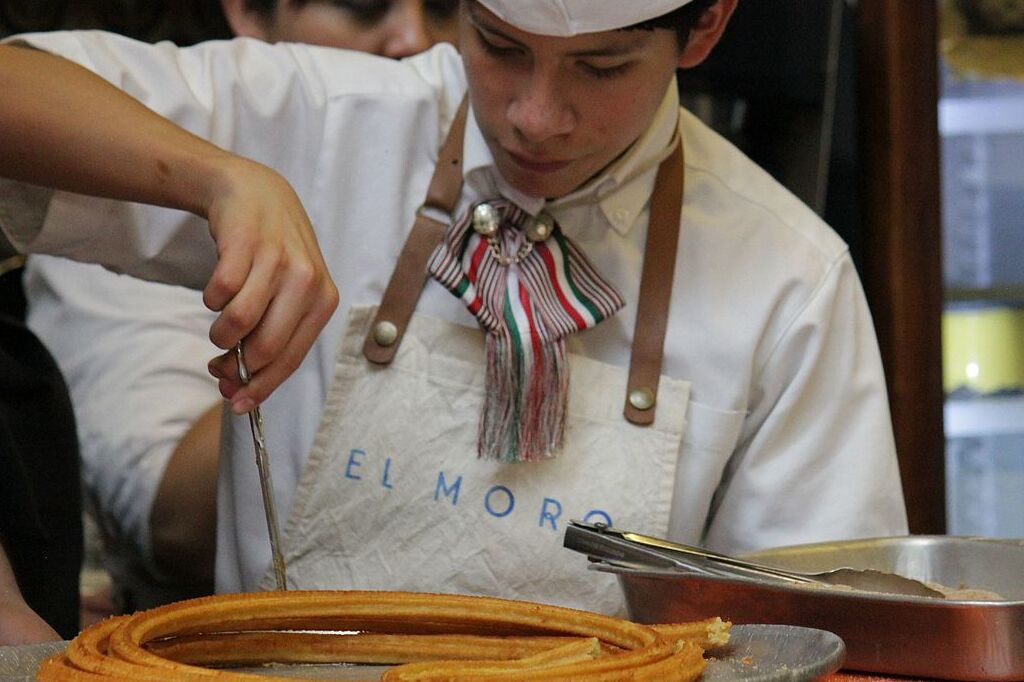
x=585, y=305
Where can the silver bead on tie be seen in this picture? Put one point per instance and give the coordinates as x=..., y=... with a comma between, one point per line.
x=540, y=228
x=486, y=220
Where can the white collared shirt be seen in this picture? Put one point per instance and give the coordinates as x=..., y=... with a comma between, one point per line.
x=768, y=321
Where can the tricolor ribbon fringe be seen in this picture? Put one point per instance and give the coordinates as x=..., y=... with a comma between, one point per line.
x=526, y=307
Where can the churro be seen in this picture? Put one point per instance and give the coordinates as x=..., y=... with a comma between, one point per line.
x=707, y=633
x=252, y=648
x=430, y=637
x=576, y=651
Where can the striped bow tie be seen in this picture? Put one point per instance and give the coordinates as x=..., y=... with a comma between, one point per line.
x=529, y=287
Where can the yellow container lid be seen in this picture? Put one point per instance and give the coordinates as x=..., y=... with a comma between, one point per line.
x=983, y=349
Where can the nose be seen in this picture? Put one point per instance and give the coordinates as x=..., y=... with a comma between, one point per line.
x=539, y=110
x=407, y=31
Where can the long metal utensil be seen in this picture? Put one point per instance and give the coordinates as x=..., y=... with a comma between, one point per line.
x=266, y=486
x=608, y=544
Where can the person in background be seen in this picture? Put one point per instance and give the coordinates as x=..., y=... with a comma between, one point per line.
x=391, y=28
x=432, y=441
x=40, y=493
x=134, y=353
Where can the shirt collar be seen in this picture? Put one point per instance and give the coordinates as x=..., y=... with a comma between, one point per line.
x=621, y=191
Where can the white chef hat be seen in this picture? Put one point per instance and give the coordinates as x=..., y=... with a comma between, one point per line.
x=572, y=17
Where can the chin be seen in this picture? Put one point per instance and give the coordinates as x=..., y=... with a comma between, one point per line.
x=545, y=185
x=547, y=188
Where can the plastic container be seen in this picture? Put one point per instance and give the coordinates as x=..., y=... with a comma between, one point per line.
x=983, y=349
x=985, y=466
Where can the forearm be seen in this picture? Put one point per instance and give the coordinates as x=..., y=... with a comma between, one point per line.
x=183, y=520
x=8, y=584
x=19, y=624
x=67, y=128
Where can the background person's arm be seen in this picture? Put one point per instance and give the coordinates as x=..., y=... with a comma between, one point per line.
x=69, y=129
x=19, y=624
x=183, y=522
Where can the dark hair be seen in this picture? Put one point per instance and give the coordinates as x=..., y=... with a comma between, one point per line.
x=368, y=12
x=681, y=20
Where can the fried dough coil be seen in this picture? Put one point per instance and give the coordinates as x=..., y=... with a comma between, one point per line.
x=502, y=640
x=253, y=648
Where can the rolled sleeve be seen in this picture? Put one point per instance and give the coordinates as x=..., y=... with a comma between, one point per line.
x=22, y=211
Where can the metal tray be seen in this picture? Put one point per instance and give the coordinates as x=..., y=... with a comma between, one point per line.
x=948, y=639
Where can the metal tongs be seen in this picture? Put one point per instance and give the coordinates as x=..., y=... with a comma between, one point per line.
x=266, y=486
x=607, y=545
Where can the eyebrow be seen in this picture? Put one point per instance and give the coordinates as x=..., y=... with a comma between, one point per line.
x=482, y=26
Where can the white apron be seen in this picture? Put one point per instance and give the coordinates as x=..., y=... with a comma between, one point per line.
x=393, y=495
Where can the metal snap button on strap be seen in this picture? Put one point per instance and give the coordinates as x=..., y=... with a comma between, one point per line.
x=385, y=333
x=641, y=398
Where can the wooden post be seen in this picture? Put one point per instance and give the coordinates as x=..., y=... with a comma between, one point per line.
x=899, y=146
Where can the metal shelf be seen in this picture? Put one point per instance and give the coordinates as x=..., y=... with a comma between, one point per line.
x=985, y=416
x=1008, y=293
x=981, y=115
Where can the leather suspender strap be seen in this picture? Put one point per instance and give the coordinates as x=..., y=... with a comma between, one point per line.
x=410, y=273
x=655, y=291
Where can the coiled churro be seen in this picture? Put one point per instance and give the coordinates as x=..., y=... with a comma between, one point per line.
x=432, y=637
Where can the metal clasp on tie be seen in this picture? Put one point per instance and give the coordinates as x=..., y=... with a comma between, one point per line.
x=487, y=222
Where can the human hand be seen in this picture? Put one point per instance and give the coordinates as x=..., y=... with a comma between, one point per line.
x=270, y=285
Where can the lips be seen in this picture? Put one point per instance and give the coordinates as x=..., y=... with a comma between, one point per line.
x=537, y=165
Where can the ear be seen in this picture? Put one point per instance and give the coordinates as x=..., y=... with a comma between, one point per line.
x=245, y=22
x=706, y=34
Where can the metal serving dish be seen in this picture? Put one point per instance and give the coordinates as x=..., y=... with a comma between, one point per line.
x=919, y=636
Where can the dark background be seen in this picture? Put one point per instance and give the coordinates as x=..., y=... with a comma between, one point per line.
x=182, y=21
